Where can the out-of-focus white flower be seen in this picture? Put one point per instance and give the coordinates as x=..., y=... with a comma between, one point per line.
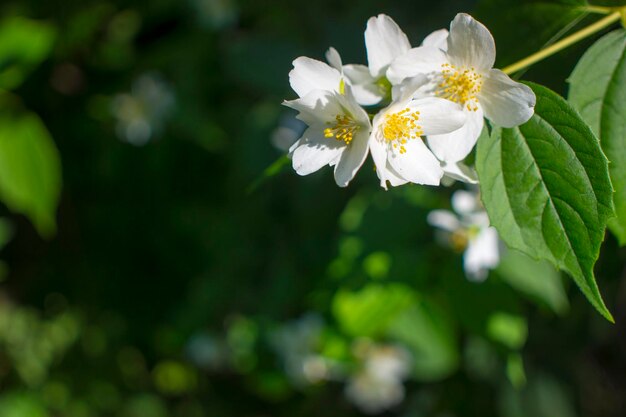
x=338, y=128
x=298, y=343
x=468, y=229
x=141, y=113
x=461, y=70
x=287, y=132
x=207, y=352
x=396, y=142
x=378, y=385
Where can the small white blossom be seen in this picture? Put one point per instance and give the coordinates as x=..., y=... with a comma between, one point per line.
x=468, y=229
x=378, y=385
x=396, y=143
x=461, y=70
x=338, y=128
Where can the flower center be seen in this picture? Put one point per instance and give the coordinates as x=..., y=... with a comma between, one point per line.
x=401, y=126
x=460, y=85
x=343, y=129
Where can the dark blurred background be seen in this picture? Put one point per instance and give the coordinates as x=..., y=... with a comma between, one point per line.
x=184, y=278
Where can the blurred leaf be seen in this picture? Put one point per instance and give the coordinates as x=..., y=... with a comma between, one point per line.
x=377, y=265
x=6, y=232
x=598, y=92
x=23, y=45
x=174, y=378
x=508, y=329
x=274, y=169
x=369, y=312
x=537, y=279
x=145, y=405
x=30, y=170
x=542, y=396
x=515, y=370
x=546, y=187
x=425, y=330
x=16, y=404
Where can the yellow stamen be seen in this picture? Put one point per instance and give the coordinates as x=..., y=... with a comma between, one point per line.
x=400, y=127
x=343, y=129
x=460, y=85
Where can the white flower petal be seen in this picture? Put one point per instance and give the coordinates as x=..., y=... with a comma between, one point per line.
x=309, y=74
x=470, y=44
x=464, y=202
x=351, y=159
x=482, y=254
x=418, y=164
x=505, y=102
x=316, y=108
x=455, y=146
x=378, y=149
x=314, y=151
x=437, y=39
x=437, y=115
x=384, y=41
x=443, y=219
x=364, y=87
x=334, y=59
x=419, y=86
x=460, y=172
x=393, y=177
x=424, y=60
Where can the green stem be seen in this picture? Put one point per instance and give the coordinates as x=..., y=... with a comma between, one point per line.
x=564, y=43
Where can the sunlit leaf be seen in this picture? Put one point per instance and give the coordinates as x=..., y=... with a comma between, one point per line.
x=598, y=92
x=546, y=187
x=23, y=45
x=30, y=170
x=368, y=312
x=508, y=329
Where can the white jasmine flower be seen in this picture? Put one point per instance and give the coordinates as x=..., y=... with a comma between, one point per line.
x=396, y=145
x=338, y=128
x=461, y=70
x=468, y=229
x=384, y=41
x=378, y=385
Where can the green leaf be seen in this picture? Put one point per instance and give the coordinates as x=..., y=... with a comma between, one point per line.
x=598, y=92
x=274, y=169
x=368, y=312
x=30, y=170
x=537, y=279
x=546, y=187
x=511, y=330
x=396, y=312
x=424, y=329
x=24, y=44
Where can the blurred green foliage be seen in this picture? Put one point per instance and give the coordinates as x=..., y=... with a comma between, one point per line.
x=192, y=273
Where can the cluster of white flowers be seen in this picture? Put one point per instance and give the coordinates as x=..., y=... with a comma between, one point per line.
x=441, y=90
x=467, y=229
